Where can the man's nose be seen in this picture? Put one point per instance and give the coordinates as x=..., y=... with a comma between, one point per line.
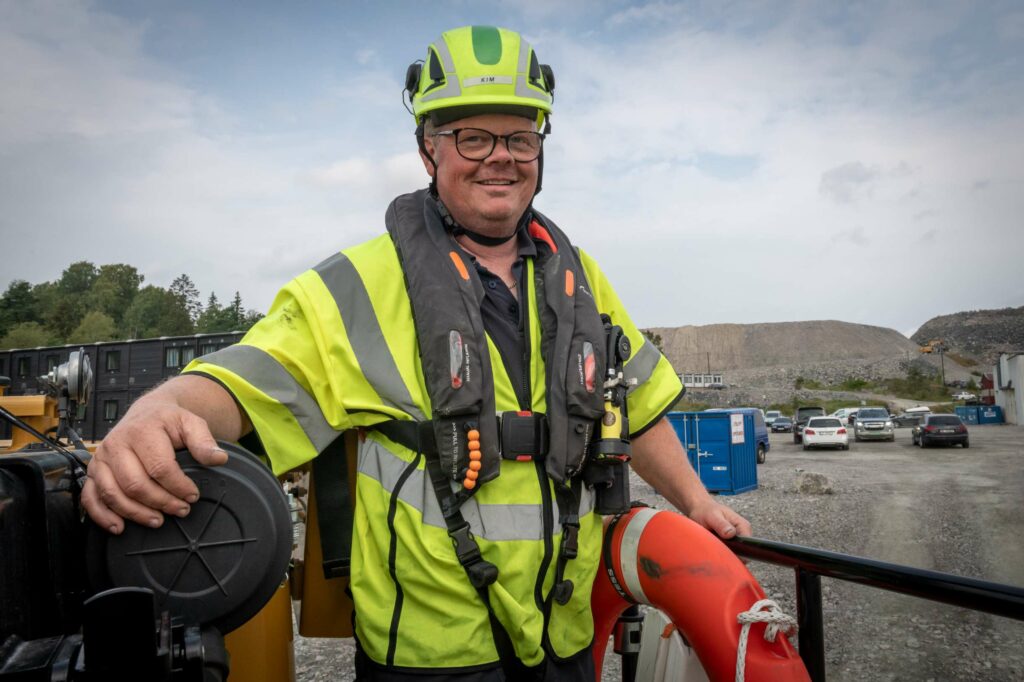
x=500, y=153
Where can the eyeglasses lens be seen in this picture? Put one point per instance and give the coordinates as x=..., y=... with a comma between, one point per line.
x=476, y=145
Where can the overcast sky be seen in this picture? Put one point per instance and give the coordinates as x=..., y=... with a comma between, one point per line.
x=725, y=162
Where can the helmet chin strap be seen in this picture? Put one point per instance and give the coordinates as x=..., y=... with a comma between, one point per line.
x=482, y=239
x=454, y=225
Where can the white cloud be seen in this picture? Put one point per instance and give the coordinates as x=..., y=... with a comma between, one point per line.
x=650, y=13
x=854, y=235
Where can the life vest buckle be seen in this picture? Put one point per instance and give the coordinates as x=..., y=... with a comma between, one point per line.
x=524, y=436
x=480, y=571
x=570, y=539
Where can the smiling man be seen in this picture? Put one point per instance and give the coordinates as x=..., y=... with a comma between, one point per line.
x=468, y=347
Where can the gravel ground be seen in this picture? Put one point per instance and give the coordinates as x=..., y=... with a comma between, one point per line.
x=945, y=509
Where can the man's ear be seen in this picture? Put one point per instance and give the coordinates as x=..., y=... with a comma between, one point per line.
x=427, y=165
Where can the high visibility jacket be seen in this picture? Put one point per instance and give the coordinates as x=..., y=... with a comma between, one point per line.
x=338, y=351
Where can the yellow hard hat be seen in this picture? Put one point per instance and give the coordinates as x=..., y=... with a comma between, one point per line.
x=480, y=69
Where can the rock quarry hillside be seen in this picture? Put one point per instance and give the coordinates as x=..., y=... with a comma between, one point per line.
x=765, y=360
x=749, y=346
x=977, y=334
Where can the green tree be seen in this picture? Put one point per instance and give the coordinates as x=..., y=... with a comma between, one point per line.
x=18, y=304
x=186, y=290
x=250, y=318
x=95, y=326
x=209, y=319
x=232, y=317
x=26, y=335
x=78, y=277
x=68, y=304
x=156, y=312
x=234, y=314
x=114, y=288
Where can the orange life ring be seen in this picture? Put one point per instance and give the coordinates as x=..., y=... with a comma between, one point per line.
x=665, y=560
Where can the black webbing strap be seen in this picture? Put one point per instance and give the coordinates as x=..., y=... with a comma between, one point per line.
x=419, y=437
x=334, y=508
x=568, y=497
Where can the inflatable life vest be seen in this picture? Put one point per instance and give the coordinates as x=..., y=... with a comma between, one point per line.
x=446, y=294
x=665, y=560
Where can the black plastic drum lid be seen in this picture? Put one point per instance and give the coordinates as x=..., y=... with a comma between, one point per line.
x=220, y=564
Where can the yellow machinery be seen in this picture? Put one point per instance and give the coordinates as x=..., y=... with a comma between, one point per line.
x=260, y=650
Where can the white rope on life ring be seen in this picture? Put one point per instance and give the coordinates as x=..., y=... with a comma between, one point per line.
x=763, y=611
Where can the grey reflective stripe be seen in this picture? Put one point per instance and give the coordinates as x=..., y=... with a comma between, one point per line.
x=641, y=366
x=494, y=522
x=523, y=88
x=629, y=553
x=364, y=333
x=265, y=373
x=451, y=87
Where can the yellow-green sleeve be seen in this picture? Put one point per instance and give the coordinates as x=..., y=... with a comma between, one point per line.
x=280, y=375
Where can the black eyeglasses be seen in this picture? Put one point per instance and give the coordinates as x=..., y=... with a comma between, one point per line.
x=475, y=144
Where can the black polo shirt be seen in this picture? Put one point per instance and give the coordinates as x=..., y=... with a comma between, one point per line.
x=505, y=319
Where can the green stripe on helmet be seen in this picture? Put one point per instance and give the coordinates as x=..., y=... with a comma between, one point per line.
x=486, y=44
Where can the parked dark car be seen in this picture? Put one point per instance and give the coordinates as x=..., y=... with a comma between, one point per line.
x=946, y=429
x=800, y=420
x=782, y=425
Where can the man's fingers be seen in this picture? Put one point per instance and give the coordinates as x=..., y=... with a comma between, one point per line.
x=147, y=470
x=195, y=433
x=99, y=512
x=723, y=526
x=721, y=520
x=732, y=524
x=144, y=470
x=107, y=497
x=743, y=526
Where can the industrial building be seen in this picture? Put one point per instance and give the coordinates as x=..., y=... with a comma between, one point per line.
x=1008, y=379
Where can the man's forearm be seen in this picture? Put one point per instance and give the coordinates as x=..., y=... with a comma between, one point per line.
x=659, y=459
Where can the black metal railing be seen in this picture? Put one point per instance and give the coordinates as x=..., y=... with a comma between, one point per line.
x=811, y=564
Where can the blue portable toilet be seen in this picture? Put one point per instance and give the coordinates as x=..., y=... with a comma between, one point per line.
x=721, y=447
x=990, y=414
x=968, y=413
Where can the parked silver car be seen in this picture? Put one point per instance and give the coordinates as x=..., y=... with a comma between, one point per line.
x=873, y=423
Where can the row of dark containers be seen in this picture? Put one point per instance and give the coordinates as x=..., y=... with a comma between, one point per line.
x=123, y=371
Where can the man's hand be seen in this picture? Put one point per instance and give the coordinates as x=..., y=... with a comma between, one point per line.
x=134, y=475
x=719, y=519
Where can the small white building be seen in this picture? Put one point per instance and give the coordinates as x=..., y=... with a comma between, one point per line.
x=698, y=380
x=1008, y=381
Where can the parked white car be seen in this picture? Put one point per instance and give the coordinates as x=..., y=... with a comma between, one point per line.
x=826, y=432
x=964, y=395
x=770, y=416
